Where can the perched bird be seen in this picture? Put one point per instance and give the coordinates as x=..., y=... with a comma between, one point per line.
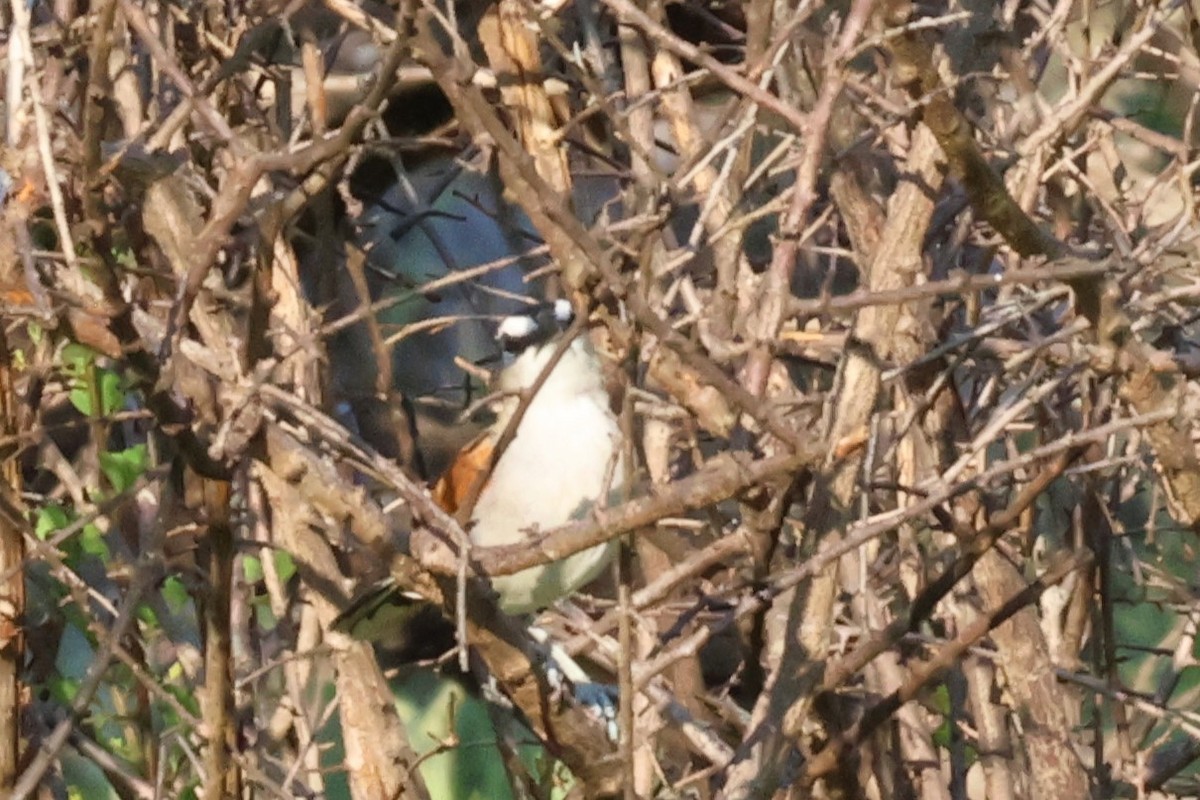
x=565, y=457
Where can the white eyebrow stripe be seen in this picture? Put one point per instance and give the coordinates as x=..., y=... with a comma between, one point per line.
x=516, y=328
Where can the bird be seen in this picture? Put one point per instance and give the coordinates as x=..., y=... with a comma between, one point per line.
x=565, y=459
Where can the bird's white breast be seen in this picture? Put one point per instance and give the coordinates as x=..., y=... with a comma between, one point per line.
x=566, y=454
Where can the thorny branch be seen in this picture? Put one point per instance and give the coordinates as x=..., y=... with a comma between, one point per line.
x=900, y=296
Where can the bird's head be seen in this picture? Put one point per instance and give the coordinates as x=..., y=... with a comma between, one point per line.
x=529, y=342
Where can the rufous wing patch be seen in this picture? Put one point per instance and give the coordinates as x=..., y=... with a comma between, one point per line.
x=452, y=488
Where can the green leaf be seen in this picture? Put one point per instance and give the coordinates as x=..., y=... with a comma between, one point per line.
x=90, y=382
x=62, y=689
x=186, y=698
x=939, y=698
x=147, y=616
x=252, y=569
x=76, y=358
x=264, y=615
x=176, y=594
x=125, y=257
x=50, y=519
x=111, y=395
x=284, y=565
x=941, y=736
x=81, y=396
x=112, y=392
x=92, y=541
x=124, y=467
